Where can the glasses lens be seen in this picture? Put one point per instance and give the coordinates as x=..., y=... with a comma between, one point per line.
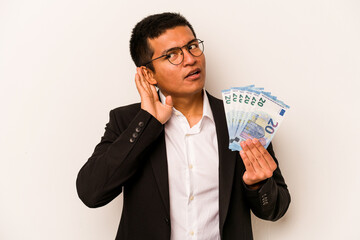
x=175, y=56
x=196, y=48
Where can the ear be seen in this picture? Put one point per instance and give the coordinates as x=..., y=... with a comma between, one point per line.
x=149, y=75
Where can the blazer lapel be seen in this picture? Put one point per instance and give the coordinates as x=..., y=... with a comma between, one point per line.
x=227, y=158
x=160, y=168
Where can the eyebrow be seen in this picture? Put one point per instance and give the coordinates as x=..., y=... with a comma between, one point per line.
x=167, y=50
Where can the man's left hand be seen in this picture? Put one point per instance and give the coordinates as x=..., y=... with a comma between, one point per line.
x=258, y=163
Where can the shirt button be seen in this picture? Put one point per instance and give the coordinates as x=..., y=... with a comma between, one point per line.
x=137, y=129
x=135, y=135
x=192, y=233
x=191, y=198
x=141, y=124
x=132, y=140
x=191, y=166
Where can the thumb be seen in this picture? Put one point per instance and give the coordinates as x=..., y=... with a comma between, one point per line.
x=168, y=101
x=245, y=176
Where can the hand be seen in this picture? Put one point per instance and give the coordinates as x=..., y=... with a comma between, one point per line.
x=258, y=162
x=150, y=99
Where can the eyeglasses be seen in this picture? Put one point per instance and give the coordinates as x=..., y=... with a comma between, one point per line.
x=176, y=55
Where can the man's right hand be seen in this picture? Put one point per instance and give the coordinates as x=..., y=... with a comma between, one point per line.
x=150, y=99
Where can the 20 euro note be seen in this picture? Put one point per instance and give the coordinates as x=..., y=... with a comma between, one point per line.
x=262, y=122
x=231, y=98
x=240, y=105
x=247, y=99
x=237, y=109
x=255, y=114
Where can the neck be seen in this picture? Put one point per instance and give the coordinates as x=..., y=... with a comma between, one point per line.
x=190, y=106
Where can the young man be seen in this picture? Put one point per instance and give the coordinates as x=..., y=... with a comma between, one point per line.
x=169, y=154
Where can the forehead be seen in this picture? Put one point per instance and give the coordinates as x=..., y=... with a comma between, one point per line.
x=174, y=37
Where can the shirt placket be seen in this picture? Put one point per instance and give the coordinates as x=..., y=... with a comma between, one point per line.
x=191, y=167
x=189, y=134
x=191, y=195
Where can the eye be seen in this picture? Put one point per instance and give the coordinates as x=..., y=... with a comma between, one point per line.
x=173, y=54
x=193, y=46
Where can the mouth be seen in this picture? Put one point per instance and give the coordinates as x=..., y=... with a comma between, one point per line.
x=194, y=74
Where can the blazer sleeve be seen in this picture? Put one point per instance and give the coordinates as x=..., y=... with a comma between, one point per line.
x=117, y=157
x=272, y=200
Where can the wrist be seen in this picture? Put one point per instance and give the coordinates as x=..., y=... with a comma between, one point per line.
x=256, y=186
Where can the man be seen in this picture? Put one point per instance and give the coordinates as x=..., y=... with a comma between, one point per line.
x=169, y=155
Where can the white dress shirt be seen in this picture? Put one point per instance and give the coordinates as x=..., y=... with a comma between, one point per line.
x=193, y=167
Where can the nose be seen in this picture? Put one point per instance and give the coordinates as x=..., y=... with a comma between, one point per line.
x=189, y=59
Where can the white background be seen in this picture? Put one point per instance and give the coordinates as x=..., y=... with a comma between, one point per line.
x=65, y=64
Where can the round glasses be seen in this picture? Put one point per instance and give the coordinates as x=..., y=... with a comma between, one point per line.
x=176, y=55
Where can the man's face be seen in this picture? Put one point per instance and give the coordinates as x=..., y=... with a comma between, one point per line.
x=177, y=80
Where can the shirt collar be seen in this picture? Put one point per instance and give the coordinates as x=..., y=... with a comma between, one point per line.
x=206, y=105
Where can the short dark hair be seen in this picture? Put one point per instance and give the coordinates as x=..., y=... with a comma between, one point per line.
x=149, y=28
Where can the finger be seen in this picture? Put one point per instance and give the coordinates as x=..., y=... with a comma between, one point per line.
x=253, y=148
x=266, y=170
x=261, y=148
x=154, y=92
x=146, y=90
x=258, y=156
x=168, y=101
x=141, y=78
x=247, y=163
x=262, y=169
x=268, y=158
x=144, y=80
x=250, y=156
x=138, y=84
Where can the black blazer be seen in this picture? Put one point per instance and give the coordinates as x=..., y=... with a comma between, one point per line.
x=131, y=158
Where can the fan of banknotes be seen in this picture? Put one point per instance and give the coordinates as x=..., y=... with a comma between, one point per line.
x=251, y=113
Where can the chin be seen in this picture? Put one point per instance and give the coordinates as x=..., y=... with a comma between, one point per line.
x=197, y=89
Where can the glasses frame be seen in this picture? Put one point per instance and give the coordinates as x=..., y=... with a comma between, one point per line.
x=187, y=48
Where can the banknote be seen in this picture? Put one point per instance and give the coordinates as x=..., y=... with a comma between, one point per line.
x=251, y=113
